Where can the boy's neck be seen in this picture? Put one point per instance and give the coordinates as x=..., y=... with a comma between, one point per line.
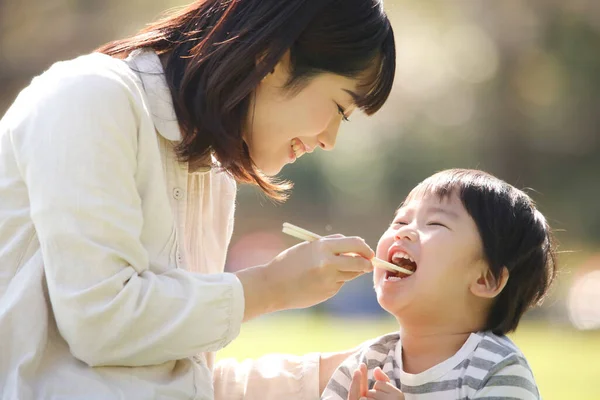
x=424, y=349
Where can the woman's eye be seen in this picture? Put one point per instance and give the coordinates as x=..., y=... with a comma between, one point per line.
x=398, y=223
x=342, y=113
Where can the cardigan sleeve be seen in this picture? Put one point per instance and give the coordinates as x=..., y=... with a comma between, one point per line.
x=275, y=376
x=74, y=135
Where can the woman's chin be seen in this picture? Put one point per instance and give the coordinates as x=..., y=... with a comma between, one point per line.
x=271, y=170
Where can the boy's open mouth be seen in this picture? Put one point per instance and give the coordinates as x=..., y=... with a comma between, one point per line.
x=403, y=260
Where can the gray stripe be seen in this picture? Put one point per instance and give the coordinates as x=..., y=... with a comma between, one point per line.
x=463, y=365
x=494, y=347
x=346, y=371
x=504, y=340
x=512, y=381
x=387, y=341
x=513, y=359
x=372, y=364
x=497, y=398
x=379, y=348
x=482, y=363
x=476, y=362
x=338, y=389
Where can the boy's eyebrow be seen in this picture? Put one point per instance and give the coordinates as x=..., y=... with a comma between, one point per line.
x=433, y=210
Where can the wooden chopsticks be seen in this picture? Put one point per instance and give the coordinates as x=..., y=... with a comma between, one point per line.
x=308, y=236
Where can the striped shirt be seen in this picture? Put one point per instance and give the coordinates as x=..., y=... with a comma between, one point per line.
x=486, y=367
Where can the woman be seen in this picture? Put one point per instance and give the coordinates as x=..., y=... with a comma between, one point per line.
x=117, y=190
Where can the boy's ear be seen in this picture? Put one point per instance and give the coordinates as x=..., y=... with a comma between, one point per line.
x=487, y=286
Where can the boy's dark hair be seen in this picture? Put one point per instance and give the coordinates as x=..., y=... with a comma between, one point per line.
x=213, y=47
x=514, y=234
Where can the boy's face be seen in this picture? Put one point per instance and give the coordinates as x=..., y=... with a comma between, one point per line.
x=444, y=244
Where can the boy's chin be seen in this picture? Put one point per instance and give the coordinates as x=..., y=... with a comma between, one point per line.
x=392, y=304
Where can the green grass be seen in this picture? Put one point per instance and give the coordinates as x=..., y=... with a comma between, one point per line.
x=566, y=363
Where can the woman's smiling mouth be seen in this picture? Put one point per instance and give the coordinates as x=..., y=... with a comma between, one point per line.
x=299, y=148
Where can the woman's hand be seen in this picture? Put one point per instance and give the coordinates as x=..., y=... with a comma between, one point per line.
x=382, y=390
x=304, y=275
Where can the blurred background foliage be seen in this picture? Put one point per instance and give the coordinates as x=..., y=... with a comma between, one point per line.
x=511, y=87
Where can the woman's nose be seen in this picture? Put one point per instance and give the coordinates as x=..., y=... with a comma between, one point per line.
x=328, y=138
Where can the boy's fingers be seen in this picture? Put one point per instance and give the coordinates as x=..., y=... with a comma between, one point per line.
x=384, y=387
x=375, y=395
x=364, y=385
x=384, y=390
x=354, y=391
x=379, y=375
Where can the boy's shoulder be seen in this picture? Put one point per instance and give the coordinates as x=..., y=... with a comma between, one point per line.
x=497, y=363
x=495, y=349
x=378, y=347
x=371, y=352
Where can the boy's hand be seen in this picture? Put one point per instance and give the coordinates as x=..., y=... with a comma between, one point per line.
x=383, y=388
x=359, y=385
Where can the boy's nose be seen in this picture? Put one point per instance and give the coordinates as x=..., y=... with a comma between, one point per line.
x=405, y=233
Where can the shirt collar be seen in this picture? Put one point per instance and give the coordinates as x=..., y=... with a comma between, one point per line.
x=146, y=63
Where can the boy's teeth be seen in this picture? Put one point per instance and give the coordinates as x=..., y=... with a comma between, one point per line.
x=394, y=278
x=402, y=255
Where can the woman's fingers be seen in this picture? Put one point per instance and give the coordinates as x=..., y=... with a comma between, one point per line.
x=343, y=277
x=309, y=273
x=352, y=264
x=345, y=245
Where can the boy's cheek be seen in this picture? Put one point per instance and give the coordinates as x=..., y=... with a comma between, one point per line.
x=378, y=274
x=383, y=246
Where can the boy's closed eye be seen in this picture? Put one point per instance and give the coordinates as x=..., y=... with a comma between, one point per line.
x=435, y=223
x=399, y=224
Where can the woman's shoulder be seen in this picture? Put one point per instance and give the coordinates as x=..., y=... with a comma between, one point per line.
x=90, y=67
x=93, y=81
x=91, y=71
x=94, y=75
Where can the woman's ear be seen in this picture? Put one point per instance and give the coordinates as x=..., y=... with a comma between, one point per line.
x=281, y=68
x=487, y=286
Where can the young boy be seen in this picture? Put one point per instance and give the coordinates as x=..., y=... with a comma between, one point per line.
x=482, y=254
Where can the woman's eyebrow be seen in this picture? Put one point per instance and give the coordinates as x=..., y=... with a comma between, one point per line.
x=355, y=97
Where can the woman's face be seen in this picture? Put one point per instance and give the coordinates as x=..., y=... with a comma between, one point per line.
x=284, y=125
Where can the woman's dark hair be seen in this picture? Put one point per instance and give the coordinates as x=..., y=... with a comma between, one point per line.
x=218, y=51
x=514, y=235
